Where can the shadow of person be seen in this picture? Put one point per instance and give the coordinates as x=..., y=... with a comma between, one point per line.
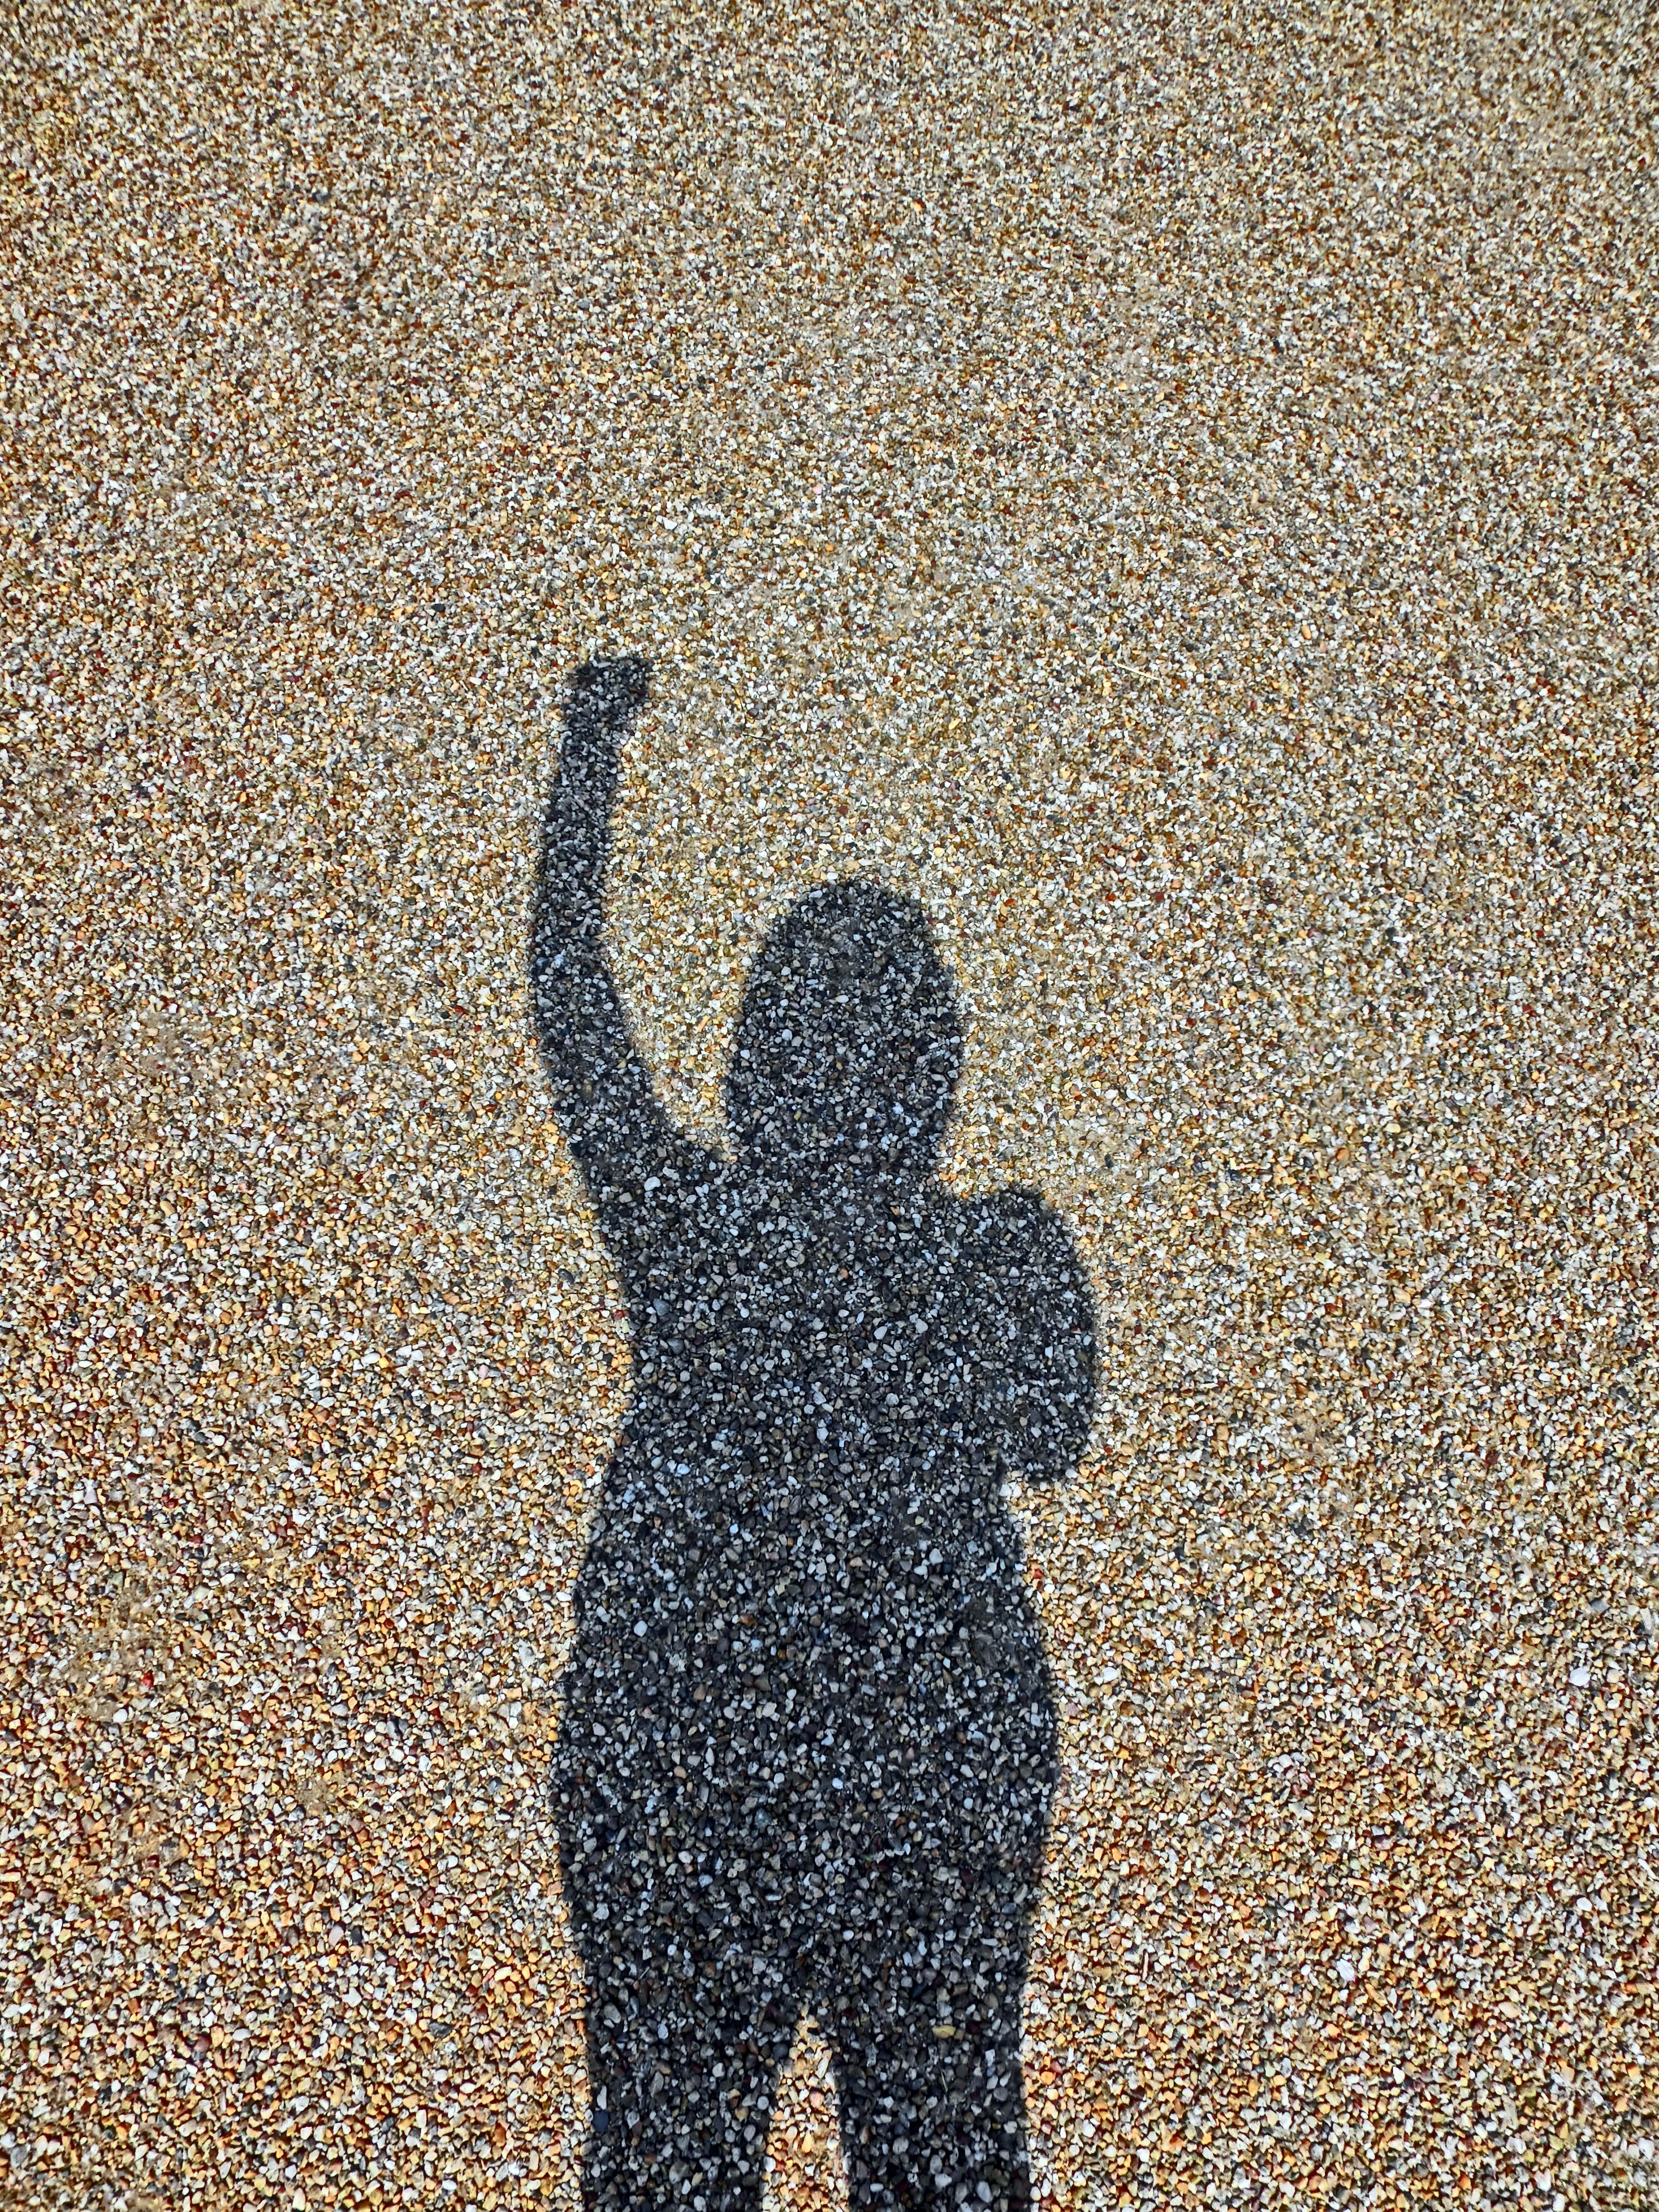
x=807, y=1746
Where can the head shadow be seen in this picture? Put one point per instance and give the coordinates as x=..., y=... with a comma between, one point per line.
x=849, y=1044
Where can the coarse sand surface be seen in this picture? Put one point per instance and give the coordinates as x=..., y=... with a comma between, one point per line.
x=1169, y=488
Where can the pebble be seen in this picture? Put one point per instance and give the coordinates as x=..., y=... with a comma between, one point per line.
x=1169, y=494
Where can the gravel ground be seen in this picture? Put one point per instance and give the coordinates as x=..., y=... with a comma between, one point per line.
x=1171, y=494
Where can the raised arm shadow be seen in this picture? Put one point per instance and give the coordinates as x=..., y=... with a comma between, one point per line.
x=627, y=1148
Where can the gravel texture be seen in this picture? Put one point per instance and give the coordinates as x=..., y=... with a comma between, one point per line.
x=1169, y=493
